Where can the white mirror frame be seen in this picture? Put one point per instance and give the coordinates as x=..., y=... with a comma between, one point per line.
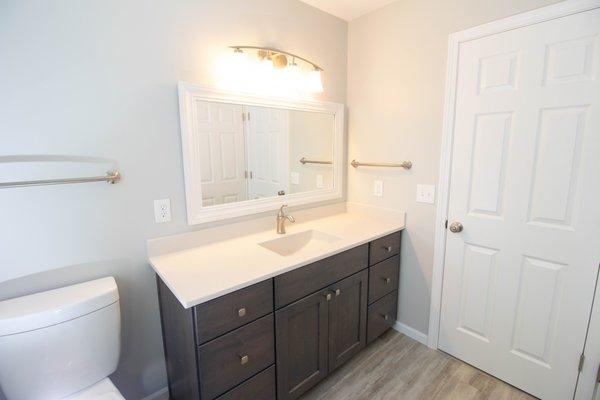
x=189, y=93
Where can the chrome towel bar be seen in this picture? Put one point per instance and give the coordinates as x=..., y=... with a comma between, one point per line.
x=110, y=177
x=304, y=160
x=403, y=164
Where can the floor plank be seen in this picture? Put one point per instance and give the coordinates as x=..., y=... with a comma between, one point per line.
x=399, y=368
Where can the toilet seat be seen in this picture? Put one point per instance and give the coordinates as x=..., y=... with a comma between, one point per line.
x=103, y=390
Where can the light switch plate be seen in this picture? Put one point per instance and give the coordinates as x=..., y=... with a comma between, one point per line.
x=426, y=194
x=162, y=211
x=378, y=188
x=319, y=181
x=295, y=178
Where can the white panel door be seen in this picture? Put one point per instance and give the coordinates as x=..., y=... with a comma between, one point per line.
x=525, y=184
x=221, y=145
x=268, y=151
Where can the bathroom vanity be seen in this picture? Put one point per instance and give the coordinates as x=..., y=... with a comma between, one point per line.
x=232, y=332
x=265, y=309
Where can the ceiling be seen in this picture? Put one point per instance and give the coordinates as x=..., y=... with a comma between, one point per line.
x=348, y=9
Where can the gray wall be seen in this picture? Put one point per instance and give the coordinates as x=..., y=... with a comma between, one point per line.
x=98, y=78
x=396, y=77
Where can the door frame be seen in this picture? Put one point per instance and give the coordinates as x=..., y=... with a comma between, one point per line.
x=543, y=14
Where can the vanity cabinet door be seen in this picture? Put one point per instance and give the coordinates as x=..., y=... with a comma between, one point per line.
x=301, y=337
x=348, y=318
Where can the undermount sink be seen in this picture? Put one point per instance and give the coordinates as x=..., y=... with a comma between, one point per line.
x=293, y=243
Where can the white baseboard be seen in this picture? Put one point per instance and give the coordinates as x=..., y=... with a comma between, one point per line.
x=411, y=332
x=162, y=394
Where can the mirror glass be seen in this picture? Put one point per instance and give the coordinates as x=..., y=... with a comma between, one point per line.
x=253, y=152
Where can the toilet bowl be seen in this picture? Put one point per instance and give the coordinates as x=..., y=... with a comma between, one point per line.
x=61, y=344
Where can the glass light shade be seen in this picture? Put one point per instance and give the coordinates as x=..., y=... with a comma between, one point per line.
x=266, y=65
x=315, y=84
x=238, y=57
x=293, y=77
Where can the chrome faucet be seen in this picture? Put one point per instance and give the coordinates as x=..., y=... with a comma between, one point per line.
x=281, y=217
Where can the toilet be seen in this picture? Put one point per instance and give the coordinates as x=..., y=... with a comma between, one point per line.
x=61, y=344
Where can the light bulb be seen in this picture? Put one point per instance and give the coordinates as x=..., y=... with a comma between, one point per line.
x=315, y=84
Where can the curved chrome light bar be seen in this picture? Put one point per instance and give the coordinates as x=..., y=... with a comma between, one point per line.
x=271, y=50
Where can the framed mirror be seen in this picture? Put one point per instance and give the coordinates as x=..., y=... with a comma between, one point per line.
x=244, y=154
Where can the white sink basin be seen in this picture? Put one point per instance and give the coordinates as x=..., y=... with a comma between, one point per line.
x=293, y=243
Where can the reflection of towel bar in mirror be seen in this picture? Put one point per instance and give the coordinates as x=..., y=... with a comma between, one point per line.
x=304, y=160
x=403, y=164
x=111, y=177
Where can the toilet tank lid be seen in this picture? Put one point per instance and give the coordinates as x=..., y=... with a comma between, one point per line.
x=44, y=309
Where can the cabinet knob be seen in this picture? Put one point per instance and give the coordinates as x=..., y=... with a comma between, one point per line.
x=244, y=359
x=338, y=292
x=388, y=248
x=385, y=316
x=242, y=312
x=387, y=280
x=327, y=296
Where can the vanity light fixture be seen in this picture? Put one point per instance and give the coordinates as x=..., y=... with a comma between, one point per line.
x=275, y=60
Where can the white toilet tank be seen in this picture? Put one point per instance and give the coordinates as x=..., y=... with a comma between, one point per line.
x=55, y=343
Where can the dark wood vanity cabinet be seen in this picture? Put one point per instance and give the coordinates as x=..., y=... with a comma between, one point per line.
x=280, y=337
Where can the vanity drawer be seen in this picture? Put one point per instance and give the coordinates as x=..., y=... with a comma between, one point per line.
x=383, y=278
x=384, y=247
x=259, y=387
x=301, y=282
x=236, y=356
x=382, y=315
x=233, y=310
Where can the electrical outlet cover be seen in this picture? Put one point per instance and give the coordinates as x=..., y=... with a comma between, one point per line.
x=294, y=178
x=378, y=188
x=162, y=211
x=426, y=194
x=319, y=181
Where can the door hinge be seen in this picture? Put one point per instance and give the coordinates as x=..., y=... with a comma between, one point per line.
x=244, y=117
x=581, y=362
x=248, y=116
x=446, y=224
x=598, y=377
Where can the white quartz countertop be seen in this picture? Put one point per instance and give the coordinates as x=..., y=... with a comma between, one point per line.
x=207, y=271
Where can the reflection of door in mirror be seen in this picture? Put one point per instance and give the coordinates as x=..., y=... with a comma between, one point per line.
x=221, y=145
x=267, y=137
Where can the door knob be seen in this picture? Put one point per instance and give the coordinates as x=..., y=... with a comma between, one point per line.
x=456, y=227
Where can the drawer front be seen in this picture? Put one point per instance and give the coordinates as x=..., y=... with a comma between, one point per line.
x=384, y=247
x=383, y=278
x=234, y=357
x=233, y=310
x=301, y=282
x=382, y=316
x=259, y=387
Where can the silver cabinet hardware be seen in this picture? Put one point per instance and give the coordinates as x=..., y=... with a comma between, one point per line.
x=388, y=248
x=338, y=292
x=456, y=227
x=244, y=359
x=242, y=312
x=387, y=280
x=385, y=316
x=327, y=296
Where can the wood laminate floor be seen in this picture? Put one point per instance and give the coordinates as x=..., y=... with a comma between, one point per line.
x=399, y=368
